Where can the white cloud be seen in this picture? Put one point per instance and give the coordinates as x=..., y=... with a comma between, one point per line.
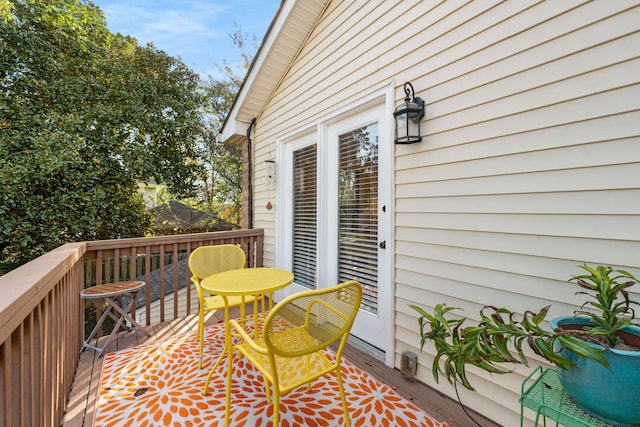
x=196, y=30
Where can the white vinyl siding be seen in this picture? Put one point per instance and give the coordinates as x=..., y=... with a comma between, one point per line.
x=530, y=159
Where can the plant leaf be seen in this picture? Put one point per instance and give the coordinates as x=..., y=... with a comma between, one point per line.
x=582, y=348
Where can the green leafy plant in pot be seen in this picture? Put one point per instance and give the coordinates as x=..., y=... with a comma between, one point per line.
x=599, y=343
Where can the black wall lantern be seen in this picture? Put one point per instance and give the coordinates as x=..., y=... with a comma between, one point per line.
x=408, y=117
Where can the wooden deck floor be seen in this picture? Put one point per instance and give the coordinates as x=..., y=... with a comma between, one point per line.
x=83, y=395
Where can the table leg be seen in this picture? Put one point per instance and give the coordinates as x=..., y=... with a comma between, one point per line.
x=243, y=319
x=112, y=304
x=93, y=333
x=255, y=316
x=125, y=315
x=227, y=344
x=116, y=327
x=212, y=370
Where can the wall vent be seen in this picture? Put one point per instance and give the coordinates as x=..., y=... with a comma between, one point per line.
x=408, y=364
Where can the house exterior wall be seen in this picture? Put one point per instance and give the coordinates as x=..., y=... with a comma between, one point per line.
x=529, y=164
x=149, y=192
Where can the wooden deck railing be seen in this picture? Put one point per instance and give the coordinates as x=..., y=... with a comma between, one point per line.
x=161, y=262
x=42, y=315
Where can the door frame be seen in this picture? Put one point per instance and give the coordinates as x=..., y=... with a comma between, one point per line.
x=382, y=99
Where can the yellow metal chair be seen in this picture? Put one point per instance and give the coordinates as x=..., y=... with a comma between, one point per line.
x=295, y=334
x=205, y=261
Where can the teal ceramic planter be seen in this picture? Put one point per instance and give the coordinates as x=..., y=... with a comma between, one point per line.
x=612, y=395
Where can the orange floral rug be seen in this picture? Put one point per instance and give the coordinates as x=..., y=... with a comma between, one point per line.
x=160, y=384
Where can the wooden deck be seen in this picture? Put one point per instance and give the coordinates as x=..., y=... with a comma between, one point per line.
x=83, y=395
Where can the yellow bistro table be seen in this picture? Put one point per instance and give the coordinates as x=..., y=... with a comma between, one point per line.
x=258, y=282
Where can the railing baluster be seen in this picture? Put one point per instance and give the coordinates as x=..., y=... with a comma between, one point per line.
x=116, y=265
x=162, y=279
x=42, y=318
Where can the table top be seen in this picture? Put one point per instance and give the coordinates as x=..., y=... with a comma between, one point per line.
x=247, y=281
x=111, y=289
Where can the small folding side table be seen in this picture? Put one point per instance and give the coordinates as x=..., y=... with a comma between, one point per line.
x=105, y=296
x=547, y=398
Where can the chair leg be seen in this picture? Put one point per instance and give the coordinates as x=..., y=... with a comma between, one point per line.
x=227, y=405
x=201, y=334
x=276, y=406
x=267, y=391
x=347, y=420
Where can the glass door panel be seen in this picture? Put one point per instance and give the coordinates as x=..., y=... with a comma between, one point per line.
x=358, y=211
x=305, y=199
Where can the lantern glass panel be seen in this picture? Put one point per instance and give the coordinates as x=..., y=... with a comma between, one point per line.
x=401, y=126
x=414, y=125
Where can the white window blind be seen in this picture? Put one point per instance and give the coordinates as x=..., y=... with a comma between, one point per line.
x=358, y=219
x=305, y=196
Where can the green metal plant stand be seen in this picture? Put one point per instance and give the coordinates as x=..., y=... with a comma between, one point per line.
x=547, y=398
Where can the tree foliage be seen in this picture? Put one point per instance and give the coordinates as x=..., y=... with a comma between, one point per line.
x=222, y=178
x=84, y=114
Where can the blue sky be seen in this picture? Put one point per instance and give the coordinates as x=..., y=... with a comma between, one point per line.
x=196, y=30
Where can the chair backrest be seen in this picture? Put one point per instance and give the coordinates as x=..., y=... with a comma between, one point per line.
x=308, y=321
x=207, y=260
